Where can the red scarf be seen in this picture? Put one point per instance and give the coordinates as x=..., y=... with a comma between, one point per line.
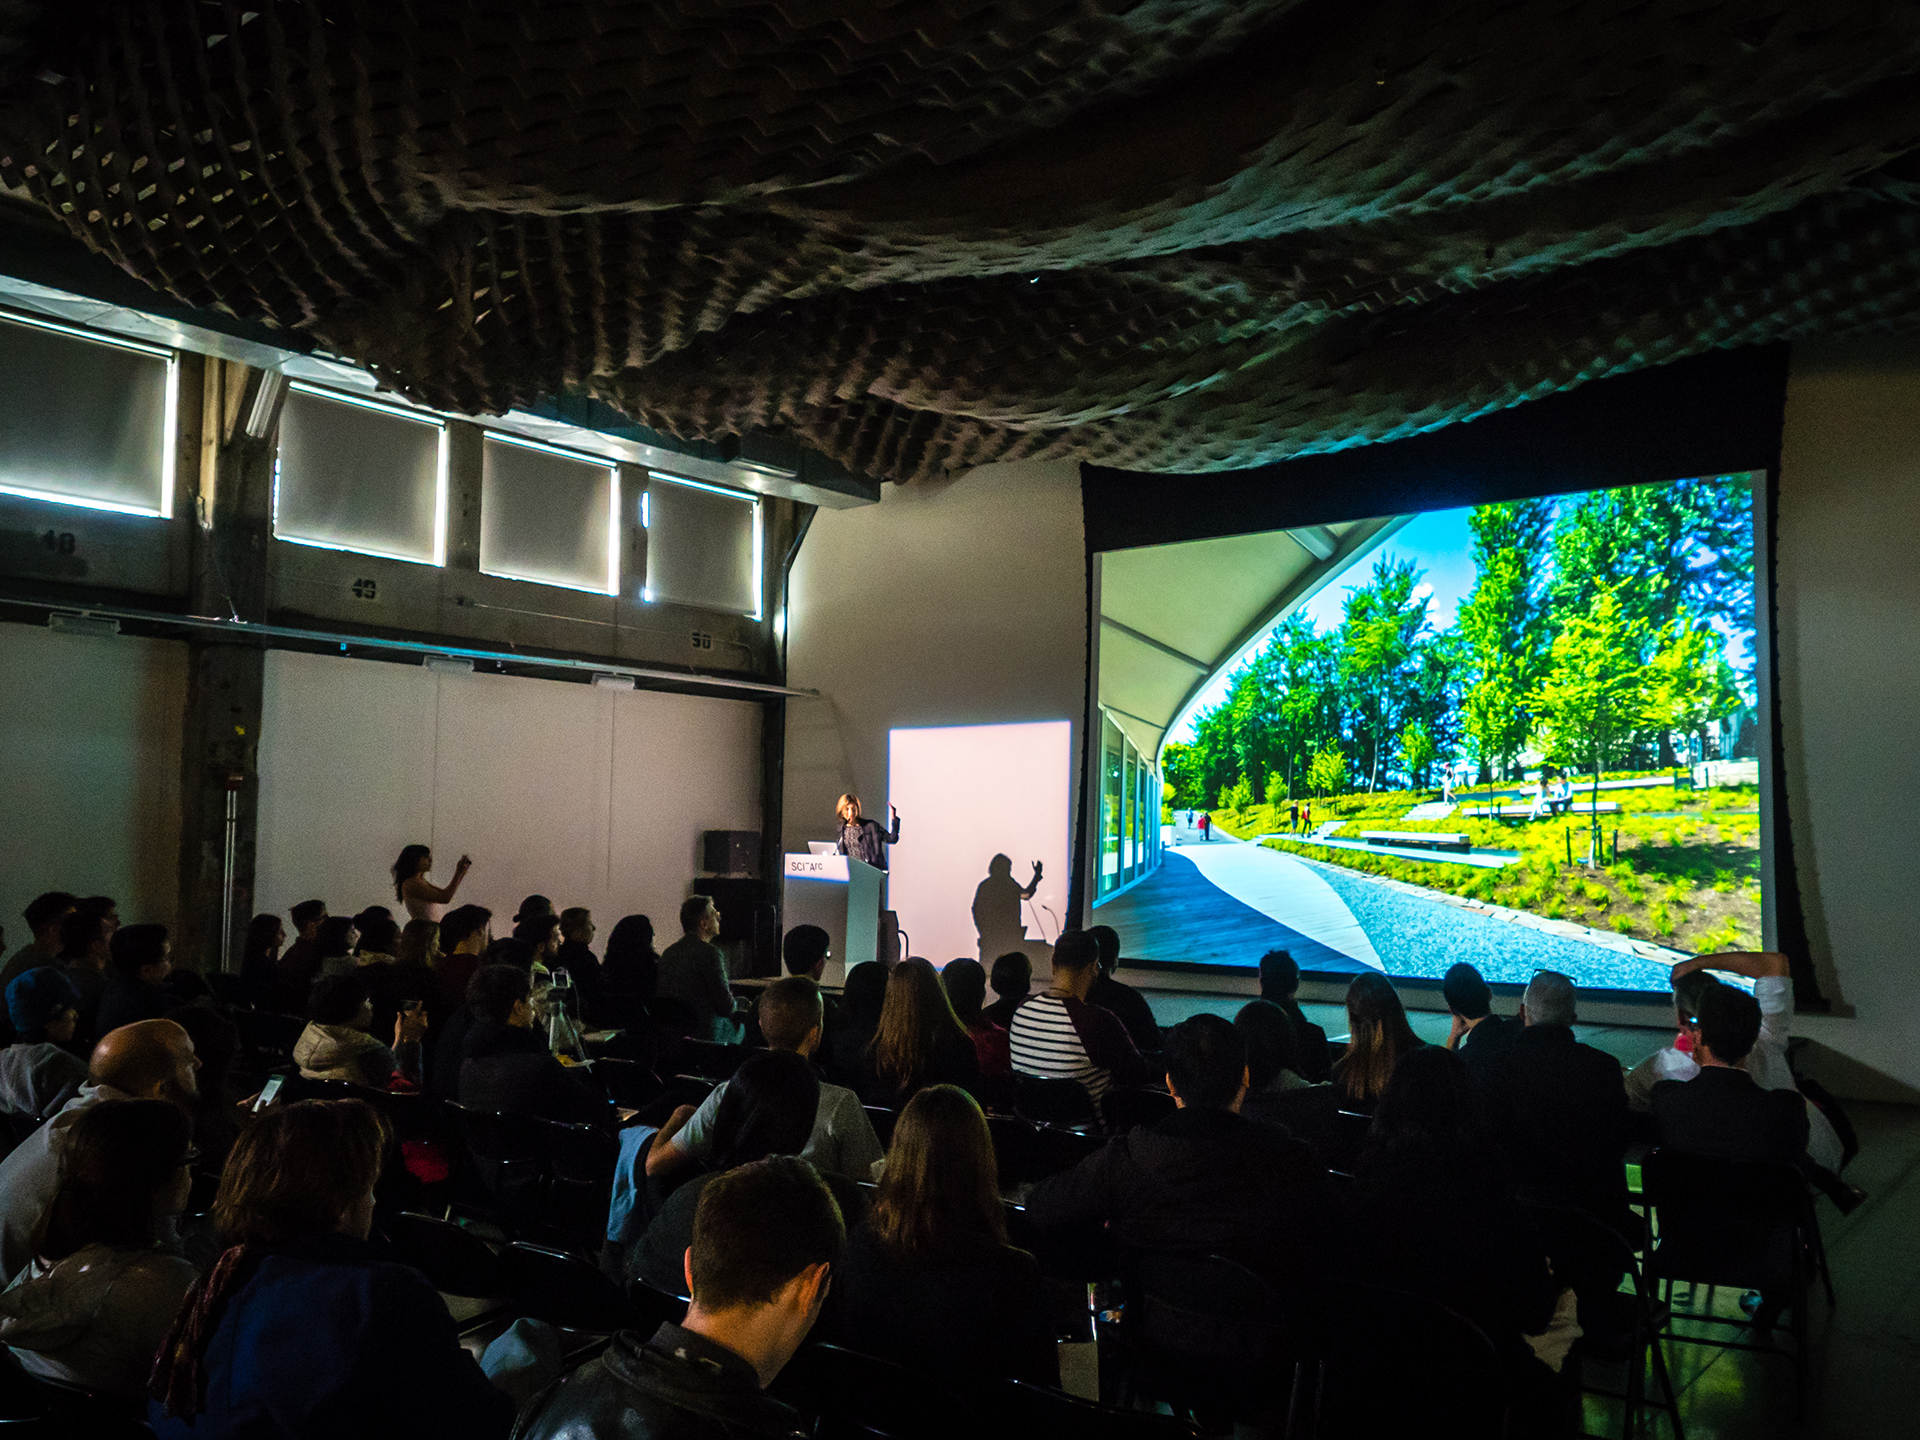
x=176, y=1380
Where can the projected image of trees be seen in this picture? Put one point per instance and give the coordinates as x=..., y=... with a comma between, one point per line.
x=1563, y=688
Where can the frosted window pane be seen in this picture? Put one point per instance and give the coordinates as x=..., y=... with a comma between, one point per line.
x=357, y=478
x=700, y=549
x=544, y=517
x=80, y=420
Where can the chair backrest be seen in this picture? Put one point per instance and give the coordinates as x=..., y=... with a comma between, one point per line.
x=1024, y=1408
x=269, y=1036
x=563, y=1290
x=1344, y=1139
x=873, y=1395
x=1129, y=1107
x=673, y=1014
x=580, y=1154
x=1402, y=1364
x=1589, y=1255
x=1053, y=1102
x=882, y=1119
x=298, y=1087
x=1207, y=1330
x=1727, y=1222
x=627, y=1082
x=454, y=1260
x=1056, y=1149
x=1015, y=1150
x=712, y=1060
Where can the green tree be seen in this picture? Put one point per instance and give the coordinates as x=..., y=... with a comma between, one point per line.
x=1379, y=625
x=1593, y=698
x=1503, y=630
x=1689, y=683
x=1327, y=772
x=1180, y=764
x=1416, y=750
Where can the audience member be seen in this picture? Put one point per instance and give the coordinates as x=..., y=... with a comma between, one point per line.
x=919, y=1040
x=105, y=906
x=44, y=914
x=1477, y=1032
x=806, y=950
x=142, y=958
x=1277, y=1093
x=929, y=1279
x=541, y=935
x=1378, y=1038
x=464, y=934
x=576, y=956
x=334, y=942
x=764, y=1242
x=299, y=1329
x=299, y=963
x=422, y=899
x=1206, y=1180
x=1723, y=1111
x=260, y=957
x=94, y=1305
x=86, y=957
x=1557, y=1107
x=965, y=982
x=631, y=970
x=214, y=1108
x=1124, y=1001
x=861, y=996
x=1280, y=984
x=1059, y=1036
x=531, y=906
x=1435, y=1215
x=393, y=988
x=693, y=970
x=151, y=1060
x=1012, y=980
x=842, y=1142
x=506, y=1066
x=336, y=1046
x=379, y=942
x=37, y=1074
x=419, y=946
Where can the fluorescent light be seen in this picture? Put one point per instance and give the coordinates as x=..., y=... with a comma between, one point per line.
x=646, y=517
x=98, y=626
x=170, y=436
x=612, y=682
x=745, y=496
x=354, y=549
x=442, y=469
x=758, y=587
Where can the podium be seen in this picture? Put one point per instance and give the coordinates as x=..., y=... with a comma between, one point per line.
x=842, y=896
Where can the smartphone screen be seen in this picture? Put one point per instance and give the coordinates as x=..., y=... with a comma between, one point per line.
x=267, y=1092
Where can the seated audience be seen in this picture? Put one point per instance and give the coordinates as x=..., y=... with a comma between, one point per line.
x=392, y=987
x=379, y=942
x=299, y=1329
x=214, y=1108
x=37, y=1074
x=98, y=1299
x=1206, y=1180
x=1059, y=1036
x=1477, y=1032
x=855, y=1020
x=419, y=896
x=151, y=1060
x=44, y=915
x=299, y=963
x=929, y=1279
x=506, y=1066
x=541, y=934
x=919, y=1040
x=336, y=1046
x=576, y=957
x=806, y=950
x=1280, y=984
x=86, y=958
x=1012, y=980
x=965, y=982
x=764, y=1243
x=1767, y=1063
x=1277, y=1093
x=531, y=906
x=464, y=934
x=1723, y=1111
x=1435, y=1215
x=260, y=957
x=630, y=971
x=136, y=985
x=842, y=1142
x=1557, y=1107
x=1378, y=1038
x=334, y=942
x=769, y=1109
x=693, y=970
x=1123, y=1000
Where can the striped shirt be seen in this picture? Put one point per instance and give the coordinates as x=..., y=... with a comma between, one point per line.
x=1066, y=1039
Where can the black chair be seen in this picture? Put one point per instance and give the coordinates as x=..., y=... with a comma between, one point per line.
x=235, y=992
x=268, y=1038
x=580, y=1163
x=298, y=1087
x=1744, y=1226
x=1213, y=1341
x=1400, y=1364
x=1617, y=1325
x=710, y=1059
x=1127, y=1108
x=1065, y=1103
x=1016, y=1151
x=1083, y=1252
x=856, y=1394
x=882, y=1120
x=1024, y=1408
x=627, y=1082
x=1056, y=1149
x=675, y=1016
x=454, y=1260
x=506, y=1164
x=1344, y=1139
x=563, y=1289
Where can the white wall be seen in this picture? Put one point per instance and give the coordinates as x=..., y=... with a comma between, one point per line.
x=1848, y=572
x=591, y=797
x=954, y=603
x=90, y=784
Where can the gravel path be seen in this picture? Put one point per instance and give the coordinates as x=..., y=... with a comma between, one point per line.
x=1423, y=937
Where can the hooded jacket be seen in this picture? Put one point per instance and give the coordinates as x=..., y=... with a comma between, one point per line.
x=343, y=1052
x=95, y=1318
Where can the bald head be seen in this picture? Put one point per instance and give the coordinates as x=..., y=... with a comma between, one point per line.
x=148, y=1060
x=1549, y=999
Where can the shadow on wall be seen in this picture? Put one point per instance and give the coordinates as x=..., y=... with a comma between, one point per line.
x=997, y=915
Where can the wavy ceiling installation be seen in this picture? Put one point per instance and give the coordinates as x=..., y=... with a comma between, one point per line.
x=1180, y=235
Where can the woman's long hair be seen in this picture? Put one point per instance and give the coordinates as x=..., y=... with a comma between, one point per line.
x=914, y=1016
x=407, y=866
x=331, y=941
x=939, y=1198
x=118, y=1158
x=419, y=944
x=1380, y=1035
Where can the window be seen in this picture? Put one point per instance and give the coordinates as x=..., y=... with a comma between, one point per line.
x=356, y=475
x=86, y=421
x=1110, y=774
x=549, y=516
x=703, y=546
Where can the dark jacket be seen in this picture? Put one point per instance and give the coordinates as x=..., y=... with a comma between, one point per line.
x=316, y=1337
x=509, y=1070
x=963, y=1323
x=1316, y=1056
x=576, y=957
x=1722, y=1113
x=1202, y=1182
x=1130, y=1007
x=297, y=969
x=1559, y=1110
x=447, y=1048
x=675, y=1386
x=1489, y=1038
x=127, y=1000
x=1000, y=1012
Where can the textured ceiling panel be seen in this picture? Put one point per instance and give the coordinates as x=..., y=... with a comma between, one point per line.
x=1179, y=234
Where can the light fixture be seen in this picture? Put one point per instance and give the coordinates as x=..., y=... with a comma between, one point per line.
x=448, y=664
x=101, y=627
